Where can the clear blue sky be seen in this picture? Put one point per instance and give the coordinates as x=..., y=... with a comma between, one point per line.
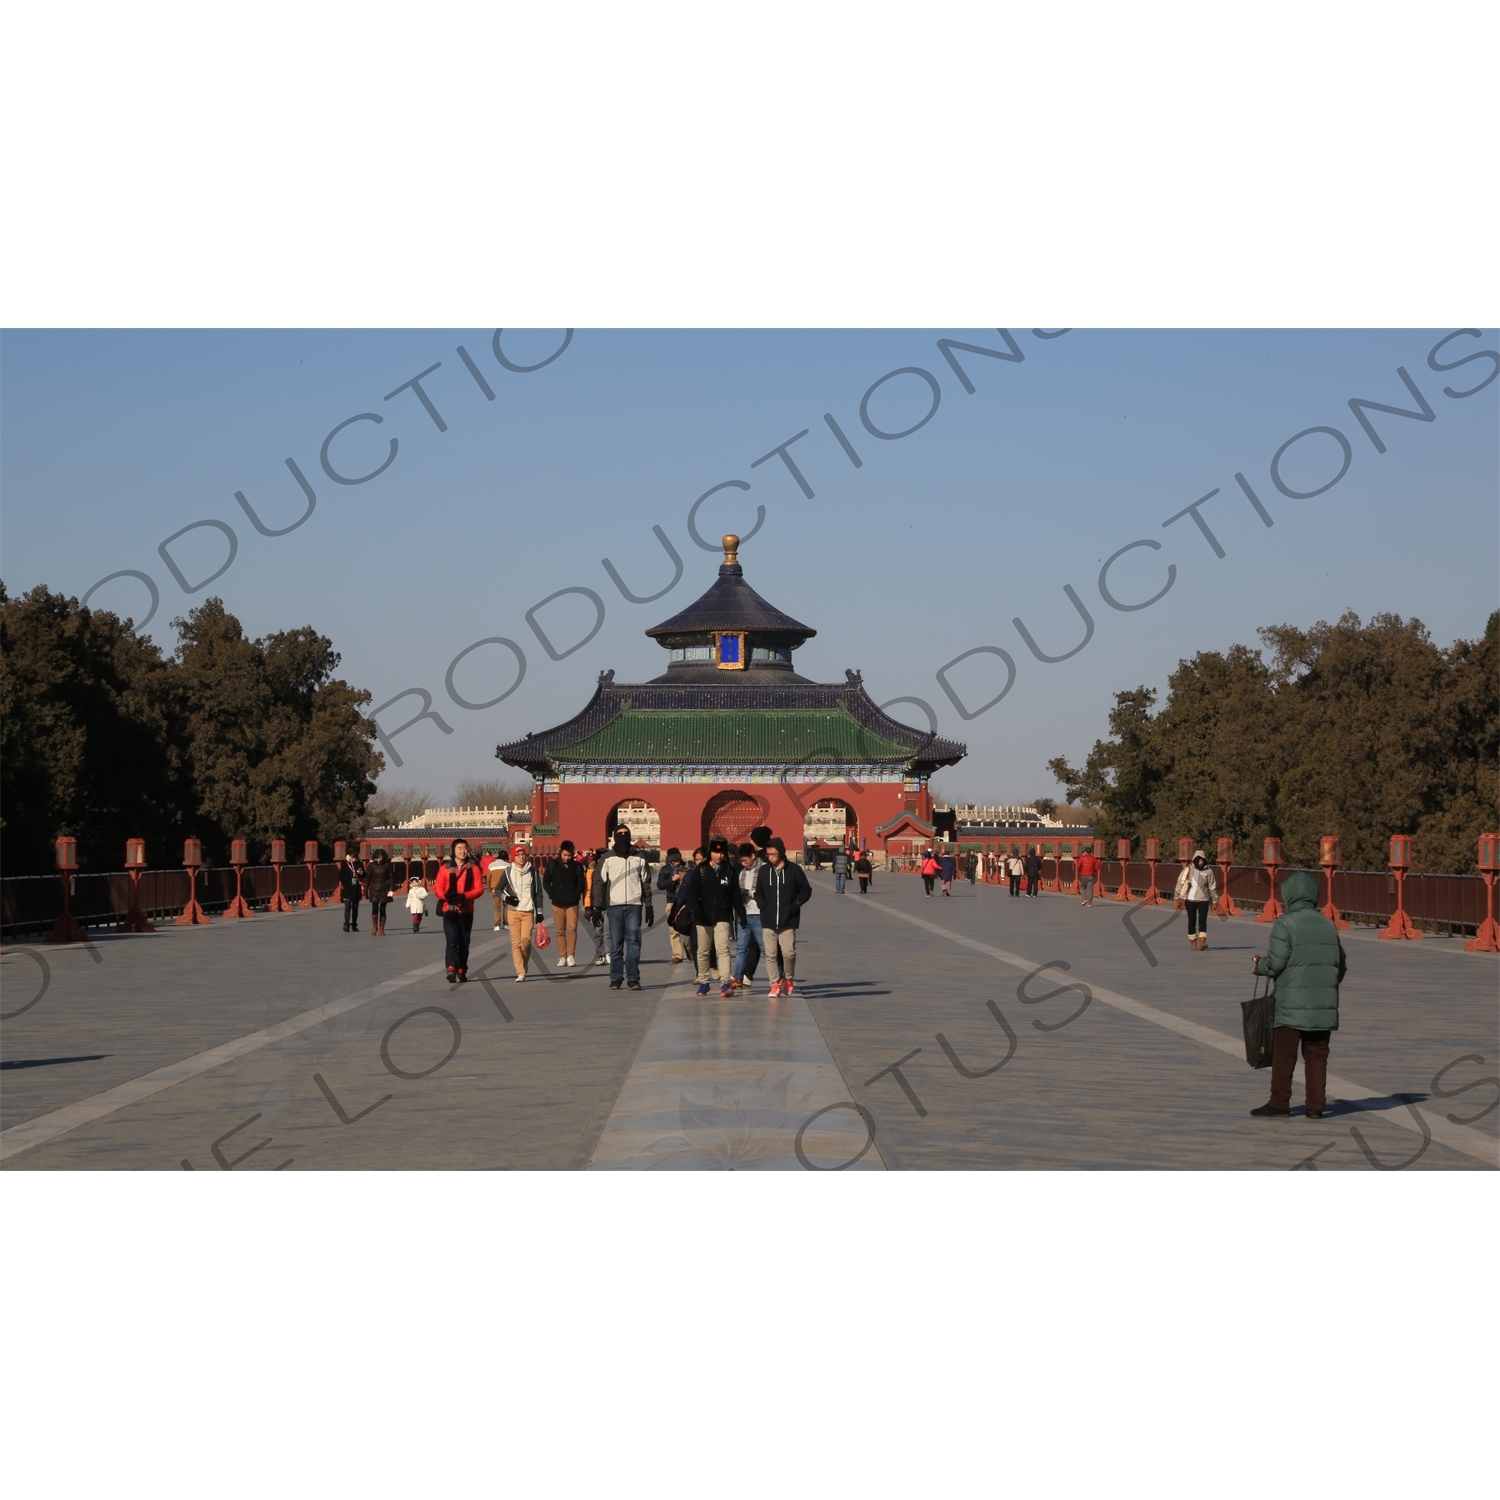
x=114, y=440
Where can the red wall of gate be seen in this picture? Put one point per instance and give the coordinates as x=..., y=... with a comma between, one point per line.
x=583, y=811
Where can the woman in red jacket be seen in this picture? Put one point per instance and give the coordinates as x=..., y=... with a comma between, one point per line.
x=458, y=882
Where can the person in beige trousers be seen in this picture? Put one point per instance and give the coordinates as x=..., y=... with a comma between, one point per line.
x=521, y=893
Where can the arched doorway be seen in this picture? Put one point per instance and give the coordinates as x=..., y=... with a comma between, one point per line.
x=643, y=821
x=830, y=824
x=731, y=815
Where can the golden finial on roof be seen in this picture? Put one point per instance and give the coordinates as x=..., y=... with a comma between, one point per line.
x=731, y=549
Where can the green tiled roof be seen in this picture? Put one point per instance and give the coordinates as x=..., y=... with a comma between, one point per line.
x=720, y=737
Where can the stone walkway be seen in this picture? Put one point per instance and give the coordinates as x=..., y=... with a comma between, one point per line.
x=742, y=1084
x=972, y=1032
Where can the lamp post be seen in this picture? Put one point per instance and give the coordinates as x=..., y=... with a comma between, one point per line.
x=1153, y=858
x=239, y=907
x=193, y=915
x=1271, y=858
x=1328, y=857
x=1487, y=938
x=1074, y=889
x=1400, y=925
x=135, y=863
x=1226, y=906
x=65, y=929
x=310, y=858
x=278, y=859
x=1184, y=860
x=1122, y=853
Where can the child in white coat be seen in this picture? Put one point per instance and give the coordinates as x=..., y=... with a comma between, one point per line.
x=416, y=902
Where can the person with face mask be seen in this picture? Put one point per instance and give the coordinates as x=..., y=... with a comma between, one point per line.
x=622, y=885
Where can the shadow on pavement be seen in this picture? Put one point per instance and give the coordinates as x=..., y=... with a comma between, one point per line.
x=1360, y=1106
x=51, y=1062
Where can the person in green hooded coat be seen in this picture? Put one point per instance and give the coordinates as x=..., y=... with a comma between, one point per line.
x=1307, y=961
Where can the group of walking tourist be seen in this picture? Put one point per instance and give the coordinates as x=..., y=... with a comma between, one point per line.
x=730, y=906
x=724, y=910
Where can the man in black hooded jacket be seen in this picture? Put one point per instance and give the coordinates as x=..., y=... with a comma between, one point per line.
x=712, y=893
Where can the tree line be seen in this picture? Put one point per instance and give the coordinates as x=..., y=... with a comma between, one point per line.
x=1360, y=730
x=105, y=737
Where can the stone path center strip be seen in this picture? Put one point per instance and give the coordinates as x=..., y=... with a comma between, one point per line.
x=735, y=1085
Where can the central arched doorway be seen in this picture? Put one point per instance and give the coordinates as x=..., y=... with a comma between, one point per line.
x=731, y=815
x=636, y=814
x=830, y=824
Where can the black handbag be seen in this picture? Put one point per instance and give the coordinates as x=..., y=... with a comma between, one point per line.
x=1259, y=1014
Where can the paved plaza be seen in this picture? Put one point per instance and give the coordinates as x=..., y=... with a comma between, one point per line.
x=977, y=1031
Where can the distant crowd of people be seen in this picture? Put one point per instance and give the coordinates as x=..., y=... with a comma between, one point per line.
x=724, y=909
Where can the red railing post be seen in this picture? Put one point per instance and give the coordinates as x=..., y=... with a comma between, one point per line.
x=135, y=863
x=1328, y=857
x=1153, y=858
x=193, y=915
x=278, y=859
x=310, y=858
x=65, y=929
x=1400, y=925
x=1225, y=906
x=1122, y=853
x=1487, y=938
x=1271, y=858
x=1184, y=857
x=239, y=907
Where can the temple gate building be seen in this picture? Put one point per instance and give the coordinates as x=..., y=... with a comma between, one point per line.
x=728, y=737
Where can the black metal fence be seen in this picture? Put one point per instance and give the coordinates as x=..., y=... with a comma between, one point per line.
x=31, y=904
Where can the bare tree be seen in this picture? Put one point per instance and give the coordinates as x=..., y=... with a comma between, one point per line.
x=473, y=792
x=390, y=807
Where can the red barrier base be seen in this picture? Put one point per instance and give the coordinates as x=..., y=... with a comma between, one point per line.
x=312, y=898
x=1400, y=926
x=193, y=915
x=1225, y=906
x=239, y=907
x=66, y=930
x=1153, y=897
x=1273, y=908
x=135, y=921
x=1486, y=939
x=1332, y=913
